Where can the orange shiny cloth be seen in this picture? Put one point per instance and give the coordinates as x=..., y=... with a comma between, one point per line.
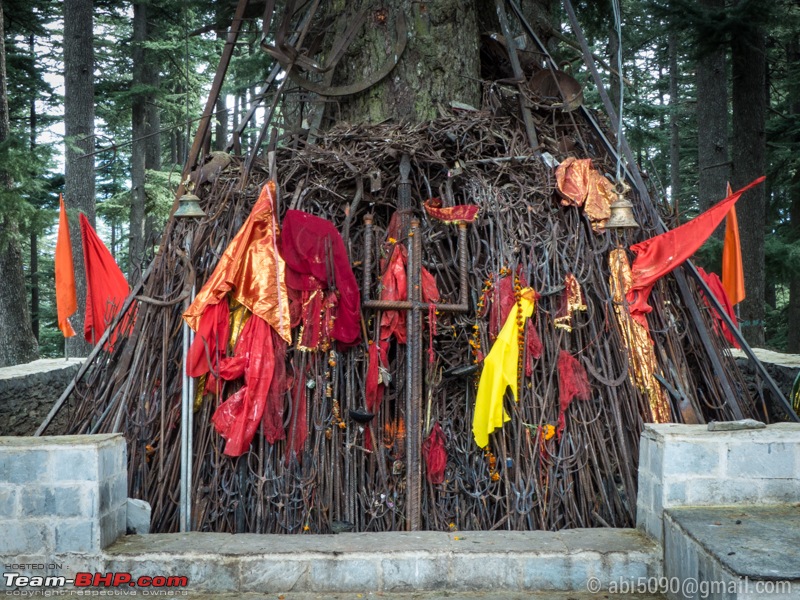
x=571, y=301
x=252, y=270
x=661, y=254
x=642, y=365
x=581, y=185
x=66, y=298
x=732, y=271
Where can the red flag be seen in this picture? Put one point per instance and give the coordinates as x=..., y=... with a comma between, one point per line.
x=661, y=254
x=732, y=271
x=66, y=299
x=106, y=287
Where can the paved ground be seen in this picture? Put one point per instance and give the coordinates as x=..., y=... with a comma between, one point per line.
x=432, y=596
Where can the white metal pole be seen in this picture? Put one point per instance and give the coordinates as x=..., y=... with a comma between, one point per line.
x=186, y=422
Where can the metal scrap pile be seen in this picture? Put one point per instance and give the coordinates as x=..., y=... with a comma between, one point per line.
x=535, y=473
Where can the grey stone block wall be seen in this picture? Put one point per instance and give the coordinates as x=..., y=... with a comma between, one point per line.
x=62, y=500
x=687, y=465
x=28, y=392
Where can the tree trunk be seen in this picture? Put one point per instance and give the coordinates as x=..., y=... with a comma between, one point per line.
x=34, y=268
x=793, y=310
x=674, y=125
x=17, y=342
x=429, y=74
x=749, y=151
x=79, y=129
x=712, y=123
x=146, y=149
x=221, y=129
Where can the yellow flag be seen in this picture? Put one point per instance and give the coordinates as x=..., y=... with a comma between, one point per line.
x=500, y=372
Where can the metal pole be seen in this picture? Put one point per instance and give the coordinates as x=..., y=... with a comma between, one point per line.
x=186, y=417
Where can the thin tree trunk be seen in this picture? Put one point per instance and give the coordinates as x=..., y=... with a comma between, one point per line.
x=146, y=149
x=79, y=129
x=17, y=342
x=712, y=123
x=34, y=264
x=749, y=162
x=34, y=268
x=674, y=125
x=793, y=310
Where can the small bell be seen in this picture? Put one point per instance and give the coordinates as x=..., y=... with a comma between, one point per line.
x=621, y=210
x=189, y=206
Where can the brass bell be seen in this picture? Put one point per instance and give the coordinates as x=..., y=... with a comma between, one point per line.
x=189, y=206
x=621, y=210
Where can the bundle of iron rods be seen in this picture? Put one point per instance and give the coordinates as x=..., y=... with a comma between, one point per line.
x=587, y=478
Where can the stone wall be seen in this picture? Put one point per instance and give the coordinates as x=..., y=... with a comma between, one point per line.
x=687, y=465
x=62, y=500
x=28, y=392
x=783, y=368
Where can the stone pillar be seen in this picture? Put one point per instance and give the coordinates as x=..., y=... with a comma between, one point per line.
x=62, y=500
x=687, y=465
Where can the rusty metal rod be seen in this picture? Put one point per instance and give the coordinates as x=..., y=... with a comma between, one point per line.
x=527, y=117
x=414, y=395
x=409, y=305
x=367, y=282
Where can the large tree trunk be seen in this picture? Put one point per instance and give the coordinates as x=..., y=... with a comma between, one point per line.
x=430, y=73
x=17, y=342
x=146, y=149
x=712, y=122
x=749, y=151
x=79, y=129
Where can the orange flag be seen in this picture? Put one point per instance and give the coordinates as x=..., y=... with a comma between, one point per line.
x=106, y=287
x=732, y=272
x=66, y=298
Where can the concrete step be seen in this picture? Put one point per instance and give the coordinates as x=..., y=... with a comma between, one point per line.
x=740, y=552
x=458, y=562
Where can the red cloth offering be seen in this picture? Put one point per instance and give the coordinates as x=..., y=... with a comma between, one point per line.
x=394, y=286
x=661, y=254
x=435, y=455
x=572, y=383
x=308, y=244
x=715, y=285
x=238, y=417
x=210, y=341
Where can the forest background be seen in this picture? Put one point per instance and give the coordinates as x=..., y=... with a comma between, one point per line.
x=99, y=100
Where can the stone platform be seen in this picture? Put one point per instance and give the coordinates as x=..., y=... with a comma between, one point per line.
x=392, y=562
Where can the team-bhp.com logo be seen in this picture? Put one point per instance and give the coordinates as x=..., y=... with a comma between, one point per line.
x=101, y=580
